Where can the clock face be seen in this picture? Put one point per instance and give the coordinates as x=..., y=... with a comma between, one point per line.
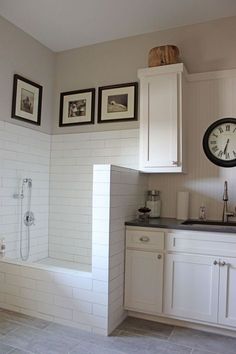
x=219, y=142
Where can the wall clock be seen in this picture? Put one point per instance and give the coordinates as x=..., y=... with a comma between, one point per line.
x=219, y=142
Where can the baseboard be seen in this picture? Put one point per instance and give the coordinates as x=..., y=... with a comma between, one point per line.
x=183, y=323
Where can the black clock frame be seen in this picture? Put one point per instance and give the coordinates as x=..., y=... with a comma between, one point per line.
x=205, y=144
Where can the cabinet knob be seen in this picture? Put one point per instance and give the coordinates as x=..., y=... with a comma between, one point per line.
x=159, y=256
x=175, y=163
x=144, y=239
x=223, y=263
x=215, y=262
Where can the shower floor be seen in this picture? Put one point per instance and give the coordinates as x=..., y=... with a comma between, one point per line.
x=65, y=264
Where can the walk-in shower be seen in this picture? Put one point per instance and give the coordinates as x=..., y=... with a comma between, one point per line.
x=27, y=218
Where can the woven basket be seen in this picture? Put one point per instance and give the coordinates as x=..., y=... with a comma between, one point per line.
x=164, y=55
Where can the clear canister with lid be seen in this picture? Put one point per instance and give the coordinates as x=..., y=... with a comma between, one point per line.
x=154, y=203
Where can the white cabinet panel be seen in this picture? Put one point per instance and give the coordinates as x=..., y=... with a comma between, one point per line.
x=144, y=281
x=161, y=140
x=162, y=120
x=227, y=295
x=191, y=287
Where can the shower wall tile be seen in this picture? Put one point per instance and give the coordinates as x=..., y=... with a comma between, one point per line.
x=24, y=153
x=127, y=194
x=63, y=296
x=108, y=232
x=71, y=178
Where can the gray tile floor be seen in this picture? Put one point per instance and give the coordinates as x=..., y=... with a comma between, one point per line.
x=20, y=334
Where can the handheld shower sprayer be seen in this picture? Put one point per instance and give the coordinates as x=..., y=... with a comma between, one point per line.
x=28, y=218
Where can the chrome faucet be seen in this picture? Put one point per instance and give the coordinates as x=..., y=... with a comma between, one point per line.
x=226, y=213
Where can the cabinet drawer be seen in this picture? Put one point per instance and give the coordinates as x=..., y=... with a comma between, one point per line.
x=145, y=239
x=202, y=243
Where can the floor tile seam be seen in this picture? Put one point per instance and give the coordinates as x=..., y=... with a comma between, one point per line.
x=14, y=348
x=172, y=342
x=4, y=337
x=160, y=335
x=10, y=350
x=196, y=348
x=9, y=332
x=172, y=333
x=207, y=351
x=169, y=340
x=64, y=335
x=22, y=323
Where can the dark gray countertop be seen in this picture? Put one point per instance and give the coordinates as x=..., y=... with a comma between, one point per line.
x=171, y=223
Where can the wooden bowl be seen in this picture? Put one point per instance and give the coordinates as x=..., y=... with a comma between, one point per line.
x=163, y=55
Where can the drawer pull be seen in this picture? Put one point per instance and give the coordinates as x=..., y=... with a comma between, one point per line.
x=215, y=262
x=159, y=256
x=144, y=239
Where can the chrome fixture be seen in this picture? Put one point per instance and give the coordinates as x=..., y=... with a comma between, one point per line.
x=28, y=216
x=21, y=194
x=226, y=213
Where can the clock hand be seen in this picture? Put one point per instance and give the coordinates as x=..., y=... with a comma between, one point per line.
x=226, y=146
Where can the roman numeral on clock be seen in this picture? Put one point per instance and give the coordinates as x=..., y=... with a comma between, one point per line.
x=215, y=148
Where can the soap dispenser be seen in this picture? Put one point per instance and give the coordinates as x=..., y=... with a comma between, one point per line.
x=202, y=212
x=2, y=247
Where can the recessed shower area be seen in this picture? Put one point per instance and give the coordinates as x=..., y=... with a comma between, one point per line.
x=64, y=200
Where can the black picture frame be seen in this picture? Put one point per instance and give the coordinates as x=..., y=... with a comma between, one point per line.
x=26, y=100
x=73, y=107
x=127, y=102
x=205, y=143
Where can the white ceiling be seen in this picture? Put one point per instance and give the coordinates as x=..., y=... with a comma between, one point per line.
x=66, y=24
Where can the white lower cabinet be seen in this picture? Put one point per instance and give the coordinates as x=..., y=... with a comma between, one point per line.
x=191, y=287
x=198, y=275
x=227, y=292
x=144, y=281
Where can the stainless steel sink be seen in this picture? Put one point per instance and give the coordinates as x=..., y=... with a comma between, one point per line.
x=214, y=223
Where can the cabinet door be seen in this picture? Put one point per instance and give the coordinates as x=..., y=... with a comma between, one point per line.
x=191, y=287
x=143, y=281
x=227, y=297
x=159, y=120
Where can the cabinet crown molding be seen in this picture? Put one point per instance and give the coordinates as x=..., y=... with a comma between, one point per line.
x=165, y=69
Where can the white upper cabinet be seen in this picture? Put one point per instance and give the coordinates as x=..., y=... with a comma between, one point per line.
x=161, y=119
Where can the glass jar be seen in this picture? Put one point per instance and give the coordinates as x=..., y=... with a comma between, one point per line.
x=154, y=203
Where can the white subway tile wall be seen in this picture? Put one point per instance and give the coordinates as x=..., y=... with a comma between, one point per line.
x=127, y=194
x=89, y=300
x=77, y=298
x=24, y=153
x=66, y=297
x=72, y=160
x=112, y=206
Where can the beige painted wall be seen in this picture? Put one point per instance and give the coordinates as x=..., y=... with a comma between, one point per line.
x=204, y=47
x=21, y=54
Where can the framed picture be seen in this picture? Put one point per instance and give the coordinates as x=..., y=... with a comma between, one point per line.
x=77, y=107
x=118, y=103
x=26, y=100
